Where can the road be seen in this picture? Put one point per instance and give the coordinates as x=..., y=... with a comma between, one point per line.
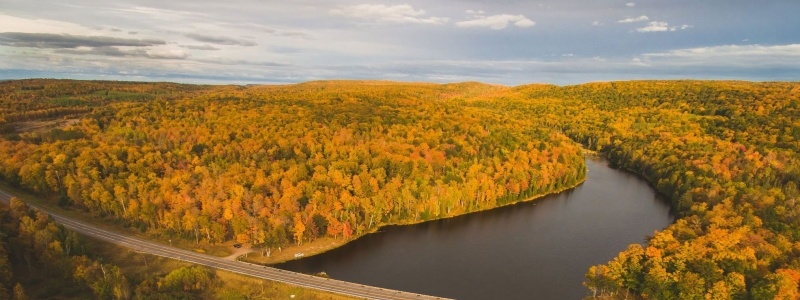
x=298, y=279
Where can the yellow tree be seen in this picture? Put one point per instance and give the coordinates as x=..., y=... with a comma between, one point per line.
x=299, y=229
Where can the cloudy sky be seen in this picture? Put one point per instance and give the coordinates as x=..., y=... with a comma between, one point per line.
x=503, y=41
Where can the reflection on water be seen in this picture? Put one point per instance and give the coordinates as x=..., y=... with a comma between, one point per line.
x=533, y=250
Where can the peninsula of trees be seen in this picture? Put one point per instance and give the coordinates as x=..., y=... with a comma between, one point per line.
x=278, y=165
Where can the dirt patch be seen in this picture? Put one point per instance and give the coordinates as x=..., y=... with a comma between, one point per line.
x=236, y=252
x=293, y=252
x=42, y=125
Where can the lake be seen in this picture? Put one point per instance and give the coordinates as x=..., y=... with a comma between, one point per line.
x=533, y=250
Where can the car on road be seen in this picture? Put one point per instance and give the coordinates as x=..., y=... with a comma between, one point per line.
x=237, y=246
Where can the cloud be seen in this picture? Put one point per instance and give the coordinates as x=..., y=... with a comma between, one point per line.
x=761, y=62
x=219, y=40
x=92, y=45
x=496, y=22
x=655, y=26
x=166, y=53
x=658, y=26
x=634, y=20
x=265, y=29
x=66, y=41
x=303, y=40
x=400, y=14
x=638, y=62
x=39, y=25
x=733, y=53
x=245, y=62
x=117, y=52
x=103, y=51
x=630, y=4
x=200, y=47
x=161, y=14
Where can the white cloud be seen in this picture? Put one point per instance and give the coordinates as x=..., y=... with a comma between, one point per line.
x=598, y=23
x=638, y=62
x=658, y=26
x=524, y=22
x=167, y=53
x=29, y=25
x=633, y=20
x=729, y=51
x=655, y=26
x=630, y=4
x=403, y=13
x=726, y=59
x=161, y=14
x=497, y=22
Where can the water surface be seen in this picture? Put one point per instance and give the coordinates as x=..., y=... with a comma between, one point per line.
x=533, y=250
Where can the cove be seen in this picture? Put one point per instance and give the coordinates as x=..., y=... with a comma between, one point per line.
x=534, y=250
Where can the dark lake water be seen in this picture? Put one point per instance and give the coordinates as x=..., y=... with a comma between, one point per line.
x=533, y=250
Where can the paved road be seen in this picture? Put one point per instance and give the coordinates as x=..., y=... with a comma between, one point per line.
x=308, y=281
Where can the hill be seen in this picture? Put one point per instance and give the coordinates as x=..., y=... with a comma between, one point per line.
x=290, y=164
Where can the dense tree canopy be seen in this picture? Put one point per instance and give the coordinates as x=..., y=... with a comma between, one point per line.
x=725, y=153
x=274, y=165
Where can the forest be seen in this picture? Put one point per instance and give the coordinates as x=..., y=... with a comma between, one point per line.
x=276, y=165
x=725, y=153
x=40, y=259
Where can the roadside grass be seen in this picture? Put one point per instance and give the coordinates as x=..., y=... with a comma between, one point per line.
x=235, y=286
x=137, y=266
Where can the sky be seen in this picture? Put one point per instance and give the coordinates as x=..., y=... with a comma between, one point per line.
x=507, y=42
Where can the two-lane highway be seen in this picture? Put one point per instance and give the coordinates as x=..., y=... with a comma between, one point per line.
x=154, y=248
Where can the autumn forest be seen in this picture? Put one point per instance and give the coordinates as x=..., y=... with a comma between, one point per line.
x=279, y=165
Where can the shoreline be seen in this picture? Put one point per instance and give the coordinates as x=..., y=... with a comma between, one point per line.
x=318, y=246
x=226, y=249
